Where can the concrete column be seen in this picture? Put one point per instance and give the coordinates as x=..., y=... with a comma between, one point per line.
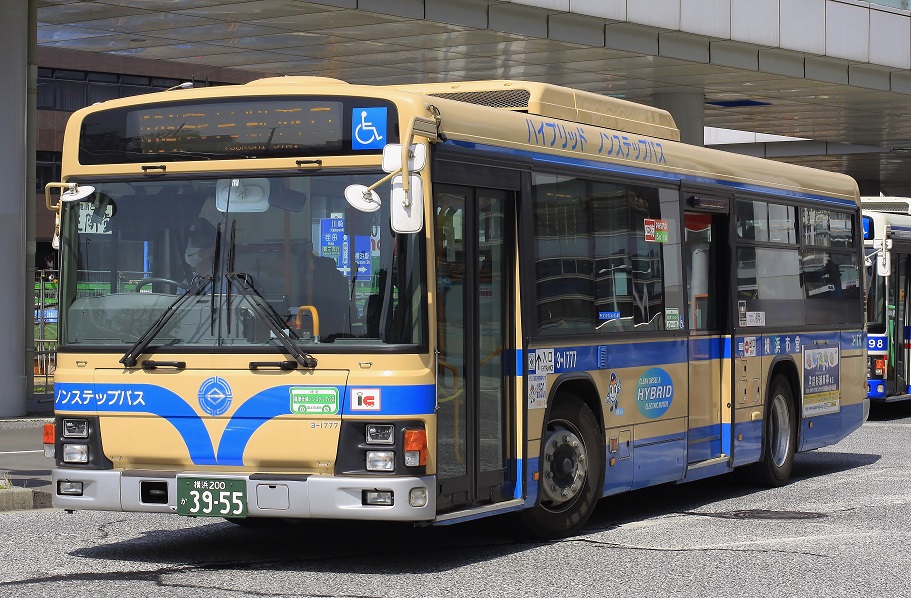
x=688, y=110
x=13, y=198
x=31, y=181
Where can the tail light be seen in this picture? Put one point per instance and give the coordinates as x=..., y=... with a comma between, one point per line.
x=879, y=367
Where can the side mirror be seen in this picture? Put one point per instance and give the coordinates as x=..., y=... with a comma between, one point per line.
x=406, y=202
x=71, y=192
x=406, y=205
x=407, y=212
x=392, y=157
x=883, y=256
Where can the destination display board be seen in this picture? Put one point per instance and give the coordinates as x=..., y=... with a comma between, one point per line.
x=249, y=128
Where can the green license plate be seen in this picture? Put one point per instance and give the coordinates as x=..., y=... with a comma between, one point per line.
x=211, y=497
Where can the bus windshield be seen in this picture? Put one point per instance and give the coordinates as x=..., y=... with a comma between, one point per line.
x=254, y=260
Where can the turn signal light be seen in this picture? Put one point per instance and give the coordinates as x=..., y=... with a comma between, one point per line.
x=879, y=367
x=415, y=445
x=48, y=433
x=49, y=440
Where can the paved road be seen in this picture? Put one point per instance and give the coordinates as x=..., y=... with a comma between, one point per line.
x=839, y=529
x=22, y=459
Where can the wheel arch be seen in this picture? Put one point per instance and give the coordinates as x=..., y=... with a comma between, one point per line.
x=584, y=388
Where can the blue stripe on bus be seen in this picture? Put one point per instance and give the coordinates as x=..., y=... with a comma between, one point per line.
x=648, y=173
x=749, y=449
x=792, y=344
x=584, y=358
x=257, y=410
x=830, y=428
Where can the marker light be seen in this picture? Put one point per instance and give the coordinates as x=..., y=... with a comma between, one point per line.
x=75, y=453
x=75, y=428
x=418, y=497
x=415, y=447
x=380, y=461
x=380, y=434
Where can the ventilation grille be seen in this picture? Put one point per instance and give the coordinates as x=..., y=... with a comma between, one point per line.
x=514, y=99
x=900, y=207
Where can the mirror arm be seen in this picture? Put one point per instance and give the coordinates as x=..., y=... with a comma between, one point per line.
x=406, y=153
x=380, y=182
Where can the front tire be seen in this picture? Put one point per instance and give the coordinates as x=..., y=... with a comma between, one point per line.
x=780, y=438
x=571, y=468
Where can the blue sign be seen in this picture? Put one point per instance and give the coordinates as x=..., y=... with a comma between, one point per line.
x=333, y=242
x=878, y=344
x=362, y=259
x=867, y=223
x=654, y=392
x=608, y=315
x=215, y=396
x=368, y=128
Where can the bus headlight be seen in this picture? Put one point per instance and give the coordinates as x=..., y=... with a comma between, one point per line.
x=75, y=453
x=75, y=428
x=380, y=461
x=380, y=434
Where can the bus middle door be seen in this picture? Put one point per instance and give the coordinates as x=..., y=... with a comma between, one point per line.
x=707, y=266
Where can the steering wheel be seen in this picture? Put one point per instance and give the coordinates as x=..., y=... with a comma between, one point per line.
x=147, y=281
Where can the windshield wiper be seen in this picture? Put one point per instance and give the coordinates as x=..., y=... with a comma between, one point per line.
x=130, y=358
x=264, y=310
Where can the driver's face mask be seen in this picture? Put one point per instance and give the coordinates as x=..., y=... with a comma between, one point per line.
x=195, y=255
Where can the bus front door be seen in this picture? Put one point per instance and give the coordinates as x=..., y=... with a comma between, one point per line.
x=706, y=256
x=474, y=252
x=898, y=366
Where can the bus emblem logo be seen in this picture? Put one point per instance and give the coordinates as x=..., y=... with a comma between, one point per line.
x=215, y=396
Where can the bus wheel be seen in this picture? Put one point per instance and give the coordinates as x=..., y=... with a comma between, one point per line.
x=780, y=439
x=571, y=471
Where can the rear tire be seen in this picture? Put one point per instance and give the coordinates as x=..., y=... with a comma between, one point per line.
x=780, y=438
x=571, y=471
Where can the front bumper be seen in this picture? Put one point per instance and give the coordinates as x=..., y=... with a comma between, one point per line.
x=306, y=497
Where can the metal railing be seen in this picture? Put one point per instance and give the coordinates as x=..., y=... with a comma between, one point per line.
x=46, y=301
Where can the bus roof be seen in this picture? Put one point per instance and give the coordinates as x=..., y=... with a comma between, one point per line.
x=520, y=117
x=564, y=103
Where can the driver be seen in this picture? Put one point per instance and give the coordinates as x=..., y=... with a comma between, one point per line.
x=200, y=250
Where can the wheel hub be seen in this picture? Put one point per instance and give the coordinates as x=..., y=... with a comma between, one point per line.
x=565, y=466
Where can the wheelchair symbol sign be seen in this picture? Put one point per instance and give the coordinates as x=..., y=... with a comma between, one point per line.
x=368, y=128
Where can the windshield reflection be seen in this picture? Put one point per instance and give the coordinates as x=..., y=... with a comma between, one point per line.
x=265, y=260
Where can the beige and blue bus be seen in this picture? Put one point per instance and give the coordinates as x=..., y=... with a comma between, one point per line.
x=886, y=226
x=436, y=303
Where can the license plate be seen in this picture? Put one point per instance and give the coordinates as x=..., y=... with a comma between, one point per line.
x=211, y=497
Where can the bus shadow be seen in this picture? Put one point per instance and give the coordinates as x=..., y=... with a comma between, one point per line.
x=670, y=499
x=332, y=547
x=357, y=547
x=885, y=412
